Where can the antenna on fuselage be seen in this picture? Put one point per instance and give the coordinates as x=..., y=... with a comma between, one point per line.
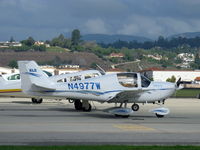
x=102, y=71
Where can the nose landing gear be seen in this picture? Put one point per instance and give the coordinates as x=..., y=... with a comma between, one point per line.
x=135, y=107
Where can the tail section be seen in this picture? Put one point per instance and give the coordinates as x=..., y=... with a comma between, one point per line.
x=33, y=79
x=2, y=80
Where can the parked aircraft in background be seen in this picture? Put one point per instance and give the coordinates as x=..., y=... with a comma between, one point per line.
x=120, y=88
x=10, y=84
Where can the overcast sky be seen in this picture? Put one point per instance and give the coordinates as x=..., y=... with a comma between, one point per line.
x=44, y=19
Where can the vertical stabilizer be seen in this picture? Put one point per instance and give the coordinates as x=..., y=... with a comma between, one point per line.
x=33, y=78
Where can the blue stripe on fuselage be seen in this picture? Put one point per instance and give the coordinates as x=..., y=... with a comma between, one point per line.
x=98, y=93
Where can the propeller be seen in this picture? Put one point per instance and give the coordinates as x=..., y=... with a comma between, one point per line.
x=178, y=83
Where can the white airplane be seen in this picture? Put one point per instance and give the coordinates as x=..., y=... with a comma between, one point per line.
x=120, y=88
x=10, y=84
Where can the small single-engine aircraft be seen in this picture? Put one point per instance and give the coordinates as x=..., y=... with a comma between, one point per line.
x=120, y=88
x=10, y=84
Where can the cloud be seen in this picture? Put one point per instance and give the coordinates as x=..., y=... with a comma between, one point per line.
x=153, y=26
x=96, y=26
x=47, y=18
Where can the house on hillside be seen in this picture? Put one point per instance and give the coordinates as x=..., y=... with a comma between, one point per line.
x=9, y=44
x=116, y=55
x=186, y=58
x=197, y=80
x=5, y=70
x=39, y=43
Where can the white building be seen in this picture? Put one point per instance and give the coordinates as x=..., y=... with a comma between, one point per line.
x=162, y=75
x=187, y=57
x=115, y=70
x=8, y=44
x=4, y=70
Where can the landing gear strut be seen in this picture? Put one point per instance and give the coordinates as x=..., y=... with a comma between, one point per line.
x=135, y=107
x=37, y=101
x=122, y=112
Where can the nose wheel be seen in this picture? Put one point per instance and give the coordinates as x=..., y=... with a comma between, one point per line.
x=135, y=107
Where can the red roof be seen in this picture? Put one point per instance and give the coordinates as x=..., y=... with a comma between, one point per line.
x=116, y=55
x=160, y=69
x=115, y=70
x=197, y=79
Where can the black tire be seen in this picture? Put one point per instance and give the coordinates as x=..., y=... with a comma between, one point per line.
x=78, y=105
x=33, y=100
x=39, y=101
x=159, y=116
x=135, y=107
x=88, y=109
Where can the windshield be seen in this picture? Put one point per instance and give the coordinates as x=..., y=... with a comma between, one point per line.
x=14, y=77
x=145, y=81
x=127, y=79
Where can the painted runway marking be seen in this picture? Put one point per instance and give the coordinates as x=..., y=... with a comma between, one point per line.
x=133, y=127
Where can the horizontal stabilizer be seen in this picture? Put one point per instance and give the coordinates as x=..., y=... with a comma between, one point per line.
x=41, y=88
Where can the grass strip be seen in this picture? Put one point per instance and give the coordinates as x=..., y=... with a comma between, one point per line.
x=100, y=147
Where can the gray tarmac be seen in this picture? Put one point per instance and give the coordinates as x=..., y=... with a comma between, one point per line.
x=57, y=123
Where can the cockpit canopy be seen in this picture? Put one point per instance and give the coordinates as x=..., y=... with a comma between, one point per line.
x=131, y=80
x=16, y=76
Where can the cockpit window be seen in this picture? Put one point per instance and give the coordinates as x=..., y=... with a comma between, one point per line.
x=128, y=79
x=48, y=73
x=145, y=81
x=92, y=75
x=75, y=78
x=14, y=77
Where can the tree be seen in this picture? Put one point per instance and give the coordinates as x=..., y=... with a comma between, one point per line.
x=197, y=59
x=61, y=41
x=75, y=37
x=29, y=42
x=40, y=48
x=196, y=63
x=13, y=64
x=172, y=79
x=12, y=39
x=93, y=65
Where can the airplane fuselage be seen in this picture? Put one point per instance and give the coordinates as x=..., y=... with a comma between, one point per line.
x=106, y=89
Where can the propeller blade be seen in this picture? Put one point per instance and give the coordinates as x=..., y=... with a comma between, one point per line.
x=178, y=82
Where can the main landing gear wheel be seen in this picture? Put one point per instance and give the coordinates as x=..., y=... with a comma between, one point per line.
x=78, y=105
x=86, y=106
x=37, y=101
x=135, y=107
x=88, y=109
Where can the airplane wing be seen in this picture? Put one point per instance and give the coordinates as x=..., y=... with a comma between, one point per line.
x=127, y=95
